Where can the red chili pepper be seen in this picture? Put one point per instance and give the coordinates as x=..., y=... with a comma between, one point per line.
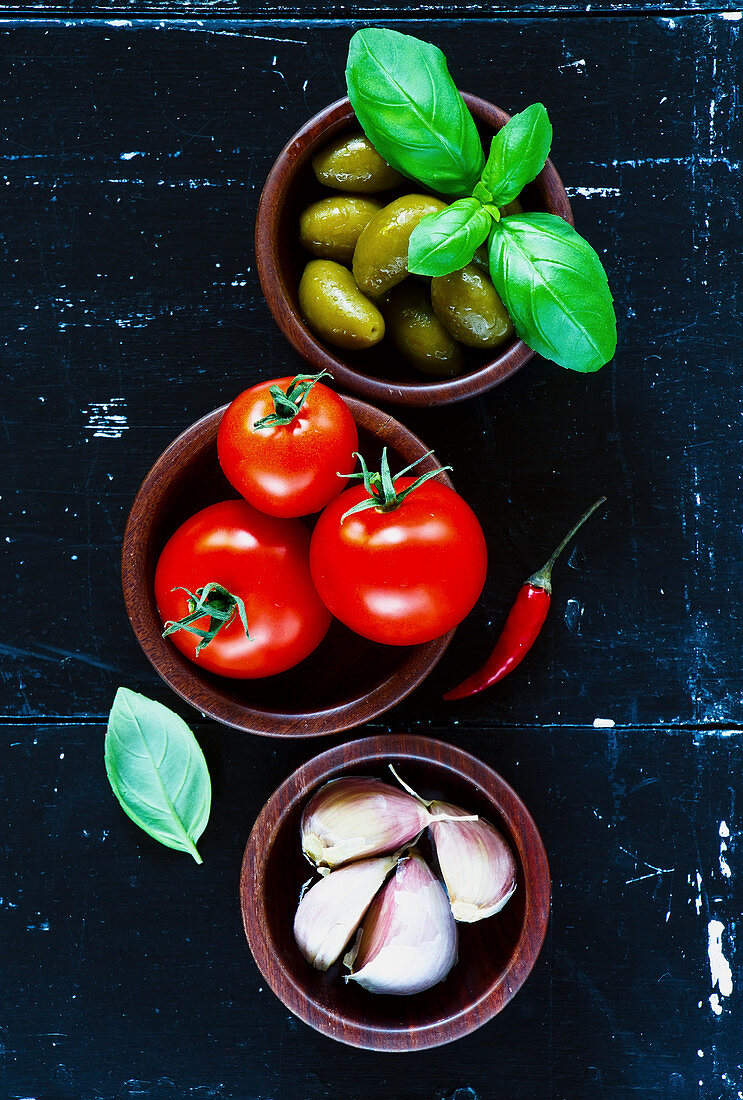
x=522, y=627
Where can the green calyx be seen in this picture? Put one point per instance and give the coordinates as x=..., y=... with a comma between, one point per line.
x=381, y=486
x=287, y=403
x=215, y=601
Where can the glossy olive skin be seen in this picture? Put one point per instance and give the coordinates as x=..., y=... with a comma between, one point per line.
x=467, y=304
x=381, y=257
x=335, y=308
x=418, y=334
x=331, y=227
x=353, y=164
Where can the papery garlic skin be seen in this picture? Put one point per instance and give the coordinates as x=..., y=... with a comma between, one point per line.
x=330, y=911
x=353, y=818
x=477, y=865
x=408, y=941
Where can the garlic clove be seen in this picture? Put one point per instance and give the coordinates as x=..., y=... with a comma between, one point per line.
x=477, y=865
x=408, y=940
x=353, y=818
x=330, y=911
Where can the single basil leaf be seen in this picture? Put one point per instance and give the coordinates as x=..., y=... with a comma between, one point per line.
x=157, y=771
x=411, y=111
x=447, y=240
x=518, y=153
x=554, y=286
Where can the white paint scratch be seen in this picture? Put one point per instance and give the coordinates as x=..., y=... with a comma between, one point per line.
x=724, y=833
x=106, y=419
x=592, y=192
x=650, y=874
x=720, y=972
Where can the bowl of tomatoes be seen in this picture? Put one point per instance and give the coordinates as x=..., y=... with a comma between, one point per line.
x=285, y=568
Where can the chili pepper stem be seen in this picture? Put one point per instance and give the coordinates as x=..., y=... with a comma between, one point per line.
x=543, y=577
x=522, y=626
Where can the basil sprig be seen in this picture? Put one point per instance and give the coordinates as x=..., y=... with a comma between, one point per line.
x=157, y=771
x=551, y=281
x=411, y=111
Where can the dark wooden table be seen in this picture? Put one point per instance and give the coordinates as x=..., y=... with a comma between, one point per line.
x=132, y=155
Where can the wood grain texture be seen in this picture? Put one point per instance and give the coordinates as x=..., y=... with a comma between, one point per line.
x=495, y=956
x=347, y=680
x=380, y=373
x=131, y=161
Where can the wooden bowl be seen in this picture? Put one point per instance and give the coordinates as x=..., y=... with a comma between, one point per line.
x=379, y=373
x=495, y=955
x=346, y=681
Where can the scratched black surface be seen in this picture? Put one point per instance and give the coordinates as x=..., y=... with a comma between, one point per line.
x=131, y=158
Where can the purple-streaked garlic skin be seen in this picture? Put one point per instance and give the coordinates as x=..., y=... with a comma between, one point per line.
x=332, y=909
x=356, y=817
x=408, y=941
x=477, y=864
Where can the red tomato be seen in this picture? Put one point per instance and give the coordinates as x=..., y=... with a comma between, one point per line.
x=404, y=576
x=263, y=561
x=288, y=469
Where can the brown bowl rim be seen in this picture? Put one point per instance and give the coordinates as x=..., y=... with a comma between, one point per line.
x=523, y=832
x=275, y=287
x=174, y=669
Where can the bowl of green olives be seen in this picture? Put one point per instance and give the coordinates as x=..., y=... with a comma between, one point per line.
x=332, y=231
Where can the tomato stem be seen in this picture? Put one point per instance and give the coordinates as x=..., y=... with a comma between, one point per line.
x=215, y=601
x=381, y=486
x=286, y=404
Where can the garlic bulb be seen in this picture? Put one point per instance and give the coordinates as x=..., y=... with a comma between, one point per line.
x=357, y=817
x=408, y=940
x=477, y=865
x=330, y=911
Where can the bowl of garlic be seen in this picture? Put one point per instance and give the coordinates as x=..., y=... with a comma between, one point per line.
x=395, y=893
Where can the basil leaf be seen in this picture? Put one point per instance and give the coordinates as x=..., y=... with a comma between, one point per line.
x=446, y=241
x=555, y=288
x=518, y=153
x=411, y=111
x=157, y=771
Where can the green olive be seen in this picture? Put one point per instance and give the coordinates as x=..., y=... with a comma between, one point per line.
x=381, y=257
x=335, y=308
x=418, y=334
x=353, y=164
x=331, y=227
x=467, y=303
